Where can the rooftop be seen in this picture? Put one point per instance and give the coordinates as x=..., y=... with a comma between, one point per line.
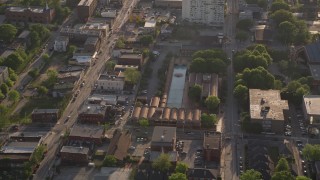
x=24, y=34
x=62, y=38
x=93, y=109
x=92, y=40
x=75, y=150
x=90, y=131
x=110, y=77
x=85, y=2
x=155, y=154
x=19, y=147
x=150, y=24
x=212, y=141
x=312, y=104
x=42, y=111
x=315, y=71
x=267, y=103
x=313, y=52
x=22, y=9
x=100, y=97
x=130, y=56
x=163, y=134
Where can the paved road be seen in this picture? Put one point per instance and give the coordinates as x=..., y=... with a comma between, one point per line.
x=229, y=169
x=53, y=139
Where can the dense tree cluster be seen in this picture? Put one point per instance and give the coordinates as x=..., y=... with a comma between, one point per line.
x=209, y=61
x=257, y=78
x=162, y=163
x=311, y=152
x=131, y=75
x=295, y=90
x=8, y=32
x=38, y=34
x=208, y=120
x=251, y=174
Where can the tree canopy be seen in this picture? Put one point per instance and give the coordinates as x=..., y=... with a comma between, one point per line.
x=282, y=165
x=208, y=120
x=244, y=24
x=162, y=163
x=251, y=174
x=181, y=167
x=295, y=90
x=195, y=92
x=177, y=176
x=282, y=175
x=146, y=40
x=302, y=178
x=241, y=92
x=8, y=32
x=258, y=78
x=278, y=5
x=143, y=122
x=311, y=152
x=212, y=102
x=282, y=15
x=109, y=161
x=242, y=36
x=14, y=95
x=132, y=75
x=13, y=61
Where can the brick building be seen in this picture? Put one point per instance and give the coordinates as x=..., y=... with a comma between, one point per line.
x=212, y=147
x=163, y=138
x=30, y=14
x=45, y=115
x=93, y=113
x=86, y=9
x=71, y=154
x=130, y=59
x=87, y=133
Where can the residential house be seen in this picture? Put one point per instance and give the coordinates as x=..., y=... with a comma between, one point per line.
x=45, y=115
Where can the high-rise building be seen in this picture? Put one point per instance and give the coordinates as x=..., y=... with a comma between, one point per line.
x=209, y=12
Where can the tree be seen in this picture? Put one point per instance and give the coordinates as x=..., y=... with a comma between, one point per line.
x=8, y=32
x=9, y=83
x=162, y=163
x=178, y=176
x=132, y=75
x=52, y=78
x=4, y=88
x=257, y=78
x=181, y=167
x=278, y=5
x=212, y=102
x=109, y=161
x=42, y=90
x=45, y=57
x=282, y=175
x=143, y=122
x=34, y=73
x=195, y=92
x=120, y=44
x=71, y=50
x=251, y=175
x=281, y=16
x=311, y=152
x=2, y=96
x=208, y=121
x=110, y=65
x=241, y=92
x=242, y=36
x=146, y=40
x=244, y=24
x=3, y=110
x=14, y=95
x=287, y=32
x=13, y=61
x=302, y=178
x=282, y=165
x=35, y=39
x=13, y=76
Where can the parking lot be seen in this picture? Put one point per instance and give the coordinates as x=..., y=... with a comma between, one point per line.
x=190, y=148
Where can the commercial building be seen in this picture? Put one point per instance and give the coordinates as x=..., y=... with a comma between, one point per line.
x=117, y=52
x=4, y=74
x=93, y=113
x=163, y=138
x=71, y=154
x=209, y=12
x=168, y=3
x=110, y=82
x=61, y=43
x=212, y=147
x=311, y=109
x=130, y=59
x=267, y=109
x=119, y=145
x=86, y=8
x=45, y=115
x=92, y=44
x=90, y=133
x=31, y=14
x=79, y=35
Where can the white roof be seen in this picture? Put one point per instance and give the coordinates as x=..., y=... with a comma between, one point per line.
x=150, y=24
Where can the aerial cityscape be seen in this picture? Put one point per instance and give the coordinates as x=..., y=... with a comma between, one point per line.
x=159, y=89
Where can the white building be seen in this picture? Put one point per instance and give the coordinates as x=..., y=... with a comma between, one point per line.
x=110, y=13
x=61, y=44
x=209, y=12
x=150, y=26
x=110, y=82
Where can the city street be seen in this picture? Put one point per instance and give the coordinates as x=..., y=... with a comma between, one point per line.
x=54, y=138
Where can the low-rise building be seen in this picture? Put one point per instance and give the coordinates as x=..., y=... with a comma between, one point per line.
x=30, y=14
x=150, y=26
x=4, y=74
x=311, y=109
x=92, y=44
x=61, y=43
x=103, y=99
x=109, y=13
x=90, y=133
x=267, y=109
x=168, y=3
x=93, y=113
x=45, y=115
x=110, y=82
x=71, y=154
x=130, y=59
x=118, y=52
x=122, y=68
x=163, y=139
x=82, y=59
x=212, y=147
x=99, y=27
x=79, y=35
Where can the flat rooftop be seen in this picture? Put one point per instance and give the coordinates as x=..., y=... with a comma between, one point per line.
x=163, y=134
x=312, y=104
x=44, y=111
x=267, y=99
x=315, y=71
x=110, y=77
x=19, y=147
x=91, y=131
x=75, y=150
x=130, y=56
x=93, y=109
x=212, y=141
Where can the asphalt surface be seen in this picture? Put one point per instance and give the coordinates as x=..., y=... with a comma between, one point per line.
x=53, y=140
